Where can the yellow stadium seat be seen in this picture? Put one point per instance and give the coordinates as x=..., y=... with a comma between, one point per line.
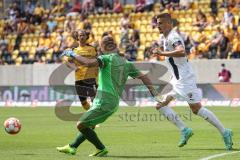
x=29, y=43
x=23, y=43
x=140, y=55
x=15, y=52
x=14, y=57
x=27, y=49
x=18, y=61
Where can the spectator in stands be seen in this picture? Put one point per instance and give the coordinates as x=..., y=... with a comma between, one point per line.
x=236, y=47
x=199, y=37
x=213, y=20
x=59, y=48
x=201, y=20
x=229, y=33
x=125, y=20
x=214, y=43
x=230, y=3
x=186, y=4
x=52, y=24
x=149, y=5
x=147, y=54
x=124, y=41
x=5, y=55
x=57, y=8
x=23, y=27
x=67, y=7
x=175, y=4
x=235, y=25
x=225, y=75
x=38, y=13
x=117, y=6
x=140, y=5
x=7, y=29
x=69, y=24
x=43, y=45
x=29, y=8
x=87, y=25
x=214, y=7
x=24, y=57
x=3, y=42
x=88, y=7
x=106, y=6
x=224, y=3
x=165, y=4
x=76, y=6
x=13, y=11
x=224, y=46
x=132, y=47
x=61, y=38
x=98, y=6
x=228, y=16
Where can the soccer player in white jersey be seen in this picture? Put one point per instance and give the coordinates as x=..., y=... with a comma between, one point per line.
x=184, y=83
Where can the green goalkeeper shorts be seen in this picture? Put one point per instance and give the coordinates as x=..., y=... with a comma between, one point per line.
x=97, y=114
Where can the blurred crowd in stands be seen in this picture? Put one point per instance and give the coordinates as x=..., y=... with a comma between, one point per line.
x=31, y=33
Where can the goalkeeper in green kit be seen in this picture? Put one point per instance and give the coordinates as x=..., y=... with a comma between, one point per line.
x=113, y=74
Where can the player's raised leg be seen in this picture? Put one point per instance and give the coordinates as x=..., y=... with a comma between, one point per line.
x=169, y=113
x=212, y=119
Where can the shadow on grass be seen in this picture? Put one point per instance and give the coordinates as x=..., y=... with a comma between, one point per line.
x=26, y=154
x=211, y=149
x=141, y=157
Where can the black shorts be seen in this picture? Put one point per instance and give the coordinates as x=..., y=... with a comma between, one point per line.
x=86, y=88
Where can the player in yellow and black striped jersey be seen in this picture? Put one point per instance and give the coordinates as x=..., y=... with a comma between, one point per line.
x=85, y=77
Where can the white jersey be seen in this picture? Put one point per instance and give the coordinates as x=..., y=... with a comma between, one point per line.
x=183, y=77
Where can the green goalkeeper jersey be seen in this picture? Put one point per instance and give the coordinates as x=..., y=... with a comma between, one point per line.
x=113, y=74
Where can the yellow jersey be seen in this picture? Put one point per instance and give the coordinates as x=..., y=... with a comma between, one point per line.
x=84, y=72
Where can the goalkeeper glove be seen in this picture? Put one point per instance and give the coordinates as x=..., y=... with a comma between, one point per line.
x=69, y=53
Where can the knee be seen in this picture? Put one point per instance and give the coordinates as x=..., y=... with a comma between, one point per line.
x=195, y=107
x=85, y=105
x=195, y=110
x=160, y=105
x=80, y=125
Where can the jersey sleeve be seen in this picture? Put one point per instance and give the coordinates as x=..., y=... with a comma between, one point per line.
x=176, y=40
x=133, y=71
x=103, y=60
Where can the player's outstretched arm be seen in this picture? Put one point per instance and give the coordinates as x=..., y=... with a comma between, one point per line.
x=80, y=59
x=178, y=52
x=148, y=83
x=70, y=64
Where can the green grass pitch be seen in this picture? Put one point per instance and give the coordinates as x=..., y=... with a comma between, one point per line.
x=131, y=133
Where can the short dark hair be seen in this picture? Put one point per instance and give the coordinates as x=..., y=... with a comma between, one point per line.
x=164, y=15
x=75, y=34
x=109, y=43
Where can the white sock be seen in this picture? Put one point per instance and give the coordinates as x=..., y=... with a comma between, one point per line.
x=211, y=118
x=172, y=116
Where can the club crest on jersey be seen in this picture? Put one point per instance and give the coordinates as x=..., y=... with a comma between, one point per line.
x=190, y=95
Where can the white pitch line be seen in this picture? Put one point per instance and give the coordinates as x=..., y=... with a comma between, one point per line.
x=219, y=155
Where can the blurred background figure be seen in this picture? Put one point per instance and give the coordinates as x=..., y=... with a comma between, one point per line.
x=224, y=75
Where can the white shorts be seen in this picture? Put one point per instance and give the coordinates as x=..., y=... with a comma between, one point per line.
x=191, y=96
